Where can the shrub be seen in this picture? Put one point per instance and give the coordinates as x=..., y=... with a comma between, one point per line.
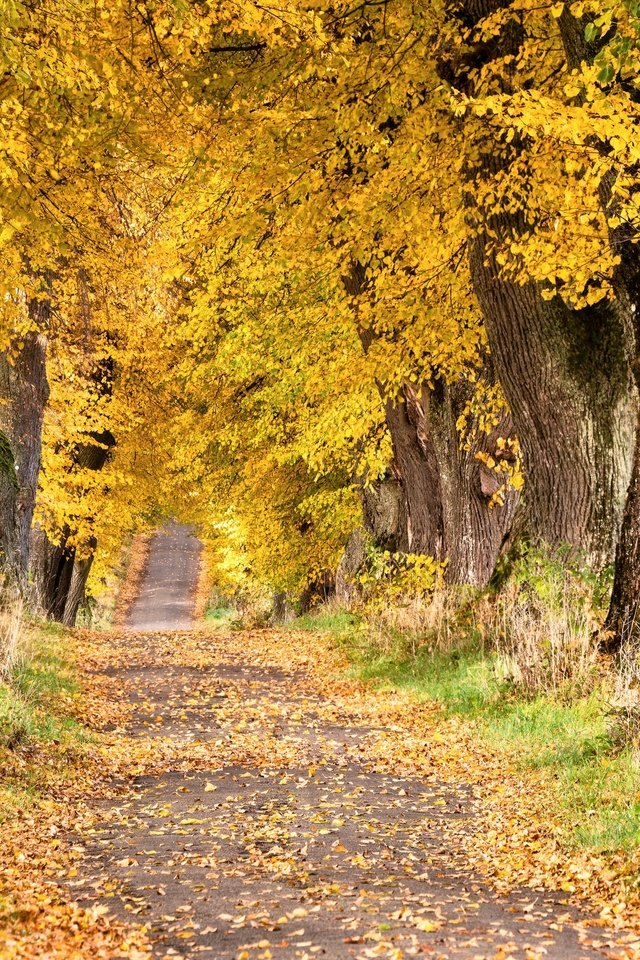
x=544, y=626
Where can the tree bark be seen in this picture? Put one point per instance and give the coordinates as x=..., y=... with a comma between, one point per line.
x=417, y=469
x=473, y=530
x=385, y=514
x=51, y=569
x=622, y=617
x=76, y=592
x=565, y=372
x=566, y=376
x=477, y=528
x=446, y=491
x=23, y=395
x=59, y=574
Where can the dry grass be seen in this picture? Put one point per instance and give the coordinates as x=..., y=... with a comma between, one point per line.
x=540, y=630
x=253, y=608
x=13, y=641
x=418, y=621
x=547, y=644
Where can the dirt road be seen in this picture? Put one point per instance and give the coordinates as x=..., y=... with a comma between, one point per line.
x=168, y=587
x=256, y=819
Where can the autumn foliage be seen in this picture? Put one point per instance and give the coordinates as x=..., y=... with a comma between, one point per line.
x=303, y=270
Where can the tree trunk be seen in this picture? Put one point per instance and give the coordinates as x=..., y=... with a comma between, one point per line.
x=473, y=528
x=565, y=372
x=23, y=395
x=566, y=376
x=479, y=506
x=51, y=569
x=621, y=624
x=76, y=592
x=59, y=574
x=446, y=510
x=622, y=617
x=348, y=590
x=385, y=514
x=417, y=469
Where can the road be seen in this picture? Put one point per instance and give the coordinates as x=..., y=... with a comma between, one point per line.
x=166, y=599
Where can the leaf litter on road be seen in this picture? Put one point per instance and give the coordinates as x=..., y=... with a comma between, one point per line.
x=244, y=799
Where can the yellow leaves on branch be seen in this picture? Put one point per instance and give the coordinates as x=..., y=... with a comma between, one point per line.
x=218, y=175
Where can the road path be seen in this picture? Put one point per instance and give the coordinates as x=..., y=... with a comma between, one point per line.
x=167, y=593
x=254, y=821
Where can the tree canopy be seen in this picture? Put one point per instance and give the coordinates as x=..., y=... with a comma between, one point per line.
x=291, y=254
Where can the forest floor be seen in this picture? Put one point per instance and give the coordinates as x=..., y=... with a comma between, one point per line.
x=239, y=795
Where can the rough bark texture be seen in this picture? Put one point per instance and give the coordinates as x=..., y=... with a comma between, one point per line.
x=565, y=373
x=476, y=530
x=51, y=568
x=58, y=574
x=445, y=492
x=622, y=620
x=76, y=592
x=417, y=469
x=385, y=513
x=473, y=531
x=347, y=588
x=23, y=395
x=566, y=377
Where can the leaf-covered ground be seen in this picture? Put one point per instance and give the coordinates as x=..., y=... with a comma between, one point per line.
x=241, y=799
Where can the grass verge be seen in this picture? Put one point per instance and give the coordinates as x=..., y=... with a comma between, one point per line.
x=39, y=737
x=222, y=618
x=591, y=772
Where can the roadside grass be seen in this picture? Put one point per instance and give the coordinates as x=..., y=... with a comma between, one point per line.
x=39, y=737
x=340, y=623
x=223, y=618
x=593, y=776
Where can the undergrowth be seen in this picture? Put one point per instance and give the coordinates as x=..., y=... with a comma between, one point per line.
x=327, y=620
x=38, y=733
x=520, y=663
x=221, y=617
x=595, y=778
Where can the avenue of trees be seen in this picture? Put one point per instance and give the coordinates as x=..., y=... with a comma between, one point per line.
x=294, y=270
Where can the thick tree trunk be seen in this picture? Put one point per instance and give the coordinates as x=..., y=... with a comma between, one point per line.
x=446, y=509
x=567, y=380
x=621, y=626
x=51, y=569
x=473, y=530
x=384, y=513
x=417, y=469
x=622, y=620
x=565, y=373
x=23, y=395
x=76, y=592
x=348, y=590
x=477, y=524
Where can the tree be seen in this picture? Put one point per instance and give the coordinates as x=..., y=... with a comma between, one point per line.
x=562, y=351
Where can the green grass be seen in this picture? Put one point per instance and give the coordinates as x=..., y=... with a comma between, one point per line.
x=595, y=779
x=35, y=718
x=338, y=622
x=223, y=617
